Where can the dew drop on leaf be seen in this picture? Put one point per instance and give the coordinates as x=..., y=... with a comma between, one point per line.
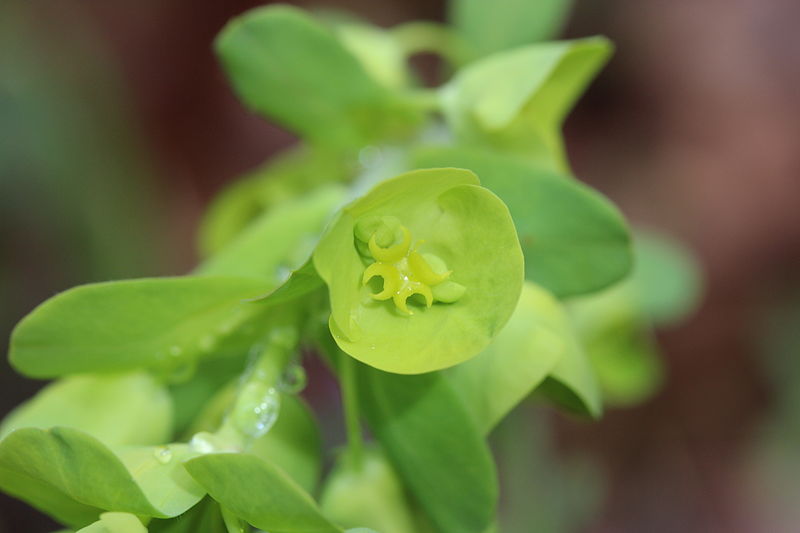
x=255, y=418
x=293, y=379
x=163, y=454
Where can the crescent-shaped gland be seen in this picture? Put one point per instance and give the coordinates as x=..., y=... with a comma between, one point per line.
x=393, y=253
x=423, y=272
x=409, y=289
x=391, y=279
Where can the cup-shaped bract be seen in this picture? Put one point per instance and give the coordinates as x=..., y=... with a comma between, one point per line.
x=422, y=271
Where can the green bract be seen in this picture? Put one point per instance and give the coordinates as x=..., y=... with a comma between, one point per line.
x=450, y=264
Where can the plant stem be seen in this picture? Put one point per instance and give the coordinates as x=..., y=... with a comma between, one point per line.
x=349, y=387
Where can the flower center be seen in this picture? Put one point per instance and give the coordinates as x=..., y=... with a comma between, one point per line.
x=405, y=271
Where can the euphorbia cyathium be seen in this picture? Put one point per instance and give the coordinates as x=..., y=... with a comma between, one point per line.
x=180, y=394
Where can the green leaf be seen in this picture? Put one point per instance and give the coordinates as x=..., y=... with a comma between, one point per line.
x=435, y=446
x=125, y=325
x=281, y=179
x=447, y=214
x=517, y=100
x=585, y=251
x=205, y=517
x=48, y=468
x=368, y=493
x=291, y=68
x=515, y=363
x=116, y=409
x=489, y=27
x=259, y=492
x=667, y=279
x=300, y=283
x=115, y=523
x=378, y=52
x=278, y=241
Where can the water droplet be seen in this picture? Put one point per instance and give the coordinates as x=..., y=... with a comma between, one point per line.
x=175, y=351
x=163, y=454
x=293, y=379
x=202, y=442
x=258, y=410
x=182, y=371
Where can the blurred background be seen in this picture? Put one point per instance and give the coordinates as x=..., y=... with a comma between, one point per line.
x=117, y=127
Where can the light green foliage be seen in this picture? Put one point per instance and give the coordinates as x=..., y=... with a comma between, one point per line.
x=469, y=229
x=259, y=492
x=177, y=407
x=585, y=251
x=615, y=325
x=667, y=279
x=367, y=491
x=115, y=408
x=516, y=101
x=286, y=176
x=291, y=68
x=521, y=356
x=434, y=445
x=115, y=523
x=125, y=325
x=278, y=241
x=68, y=474
x=489, y=27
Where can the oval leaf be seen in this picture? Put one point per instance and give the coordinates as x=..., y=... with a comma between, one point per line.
x=435, y=446
x=75, y=465
x=125, y=325
x=259, y=493
x=116, y=409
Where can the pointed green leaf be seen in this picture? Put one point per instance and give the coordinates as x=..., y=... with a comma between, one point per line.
x=435, y=446
x=445, y=213
x=574, y=240
x=259, y=492
x=46, y=466
x=115, y=523
x=293, y=69
x=516, y=100
x=116, y=409
x=489, y=27
x=125, y=325
x=515, y=363
x=278, y=241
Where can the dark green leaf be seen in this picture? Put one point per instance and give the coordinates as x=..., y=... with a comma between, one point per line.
x=435, y=446
x=574, y=240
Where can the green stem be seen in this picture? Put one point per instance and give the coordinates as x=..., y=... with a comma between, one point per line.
x=417, y=37
x=349, y=387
